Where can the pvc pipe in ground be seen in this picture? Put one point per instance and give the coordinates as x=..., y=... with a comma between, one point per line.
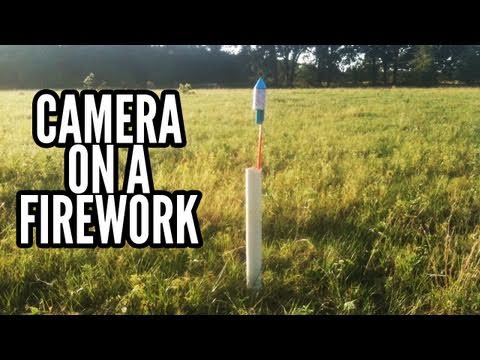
x=253, y=194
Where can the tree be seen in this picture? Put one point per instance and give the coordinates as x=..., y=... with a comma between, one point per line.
x=271, y=63
x=90, y=82
x=327, y=60
x=289, y=55
x=388, y=55
x=468, y=69
x=214, y=49
x=372, y=55
x=392, y=58
x=423, y=65
x=401, y=57
x=262, y=61
x=448, y=59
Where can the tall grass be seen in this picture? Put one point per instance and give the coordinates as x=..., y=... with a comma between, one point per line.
x=371, y=205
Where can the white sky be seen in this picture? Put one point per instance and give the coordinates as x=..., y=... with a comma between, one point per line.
x=235, y=49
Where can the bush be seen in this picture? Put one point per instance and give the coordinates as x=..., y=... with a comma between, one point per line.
x=90, y=81
x=185, y=88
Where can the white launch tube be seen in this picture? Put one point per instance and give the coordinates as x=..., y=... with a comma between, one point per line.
x=253, y=194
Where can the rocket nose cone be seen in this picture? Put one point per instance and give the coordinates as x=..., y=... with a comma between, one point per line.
x=260, y=84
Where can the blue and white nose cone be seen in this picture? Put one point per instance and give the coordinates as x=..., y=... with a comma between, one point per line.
x=259, y=100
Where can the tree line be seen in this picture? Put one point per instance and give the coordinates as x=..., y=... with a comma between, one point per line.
x=367, y=65
x=55, y=66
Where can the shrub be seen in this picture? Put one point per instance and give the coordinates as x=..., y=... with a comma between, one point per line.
x=90, y=81
x=185, y=88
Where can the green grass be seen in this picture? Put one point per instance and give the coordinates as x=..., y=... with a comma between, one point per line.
x=371, y=205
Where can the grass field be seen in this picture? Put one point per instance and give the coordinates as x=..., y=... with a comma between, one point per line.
x=371, y=206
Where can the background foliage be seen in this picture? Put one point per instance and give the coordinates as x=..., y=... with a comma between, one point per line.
x=217, y=66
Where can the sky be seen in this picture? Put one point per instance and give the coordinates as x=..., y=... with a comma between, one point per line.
x=235, y=49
